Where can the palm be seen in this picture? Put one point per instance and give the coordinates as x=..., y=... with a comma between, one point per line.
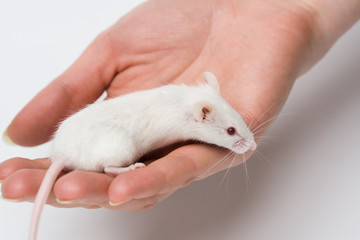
x=176, y=46
x=255, y=59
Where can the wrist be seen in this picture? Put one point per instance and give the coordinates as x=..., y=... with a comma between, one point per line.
x=328, y=20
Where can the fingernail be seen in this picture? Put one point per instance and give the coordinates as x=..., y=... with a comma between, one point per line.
x=114, y=204
x=64, y=201
x=7, y=139
x=10, y=199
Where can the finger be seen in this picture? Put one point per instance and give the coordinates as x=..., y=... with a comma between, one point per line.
x=83, y=188
x=81, y=84
x=178, y=169
x=14, y=164
x=139, y=204
x=23, y=184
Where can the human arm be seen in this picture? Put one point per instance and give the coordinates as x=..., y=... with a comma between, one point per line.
x=256, y=52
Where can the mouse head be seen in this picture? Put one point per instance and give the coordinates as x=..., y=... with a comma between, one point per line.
x=219, y=123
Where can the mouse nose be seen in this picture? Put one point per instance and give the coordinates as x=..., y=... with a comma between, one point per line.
x=253, y=146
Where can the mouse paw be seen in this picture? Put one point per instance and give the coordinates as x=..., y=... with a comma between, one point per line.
x=136, y=165
x=113, y=171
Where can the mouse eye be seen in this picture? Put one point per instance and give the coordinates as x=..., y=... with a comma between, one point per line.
x=231, y=131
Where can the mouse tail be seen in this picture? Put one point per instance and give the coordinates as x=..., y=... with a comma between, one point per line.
x=43, y=194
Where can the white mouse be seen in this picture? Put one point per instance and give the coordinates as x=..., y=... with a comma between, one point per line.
x=112, y=135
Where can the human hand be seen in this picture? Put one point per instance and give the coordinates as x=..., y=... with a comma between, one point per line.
x=255, y=52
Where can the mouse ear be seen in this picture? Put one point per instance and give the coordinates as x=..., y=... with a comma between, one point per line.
x=211, y=80
x=202, y=110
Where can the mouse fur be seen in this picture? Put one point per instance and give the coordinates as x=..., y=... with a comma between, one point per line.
x=110, y=136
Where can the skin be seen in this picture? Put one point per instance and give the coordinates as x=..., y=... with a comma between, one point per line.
x=256, y=49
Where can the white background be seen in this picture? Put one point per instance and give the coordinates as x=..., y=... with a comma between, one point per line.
x=307, y=188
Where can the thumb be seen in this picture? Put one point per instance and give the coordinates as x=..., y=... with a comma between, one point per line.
x=81, y=84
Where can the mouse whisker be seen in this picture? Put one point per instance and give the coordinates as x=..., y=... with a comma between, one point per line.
x=247, y=176
x=268, y=139
x=250, y=117
x=262, y=156
x=263, y=114
x=268, y=109
x=263, y=125
x=257, y=129
x=228, y=169
x=223, y=159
